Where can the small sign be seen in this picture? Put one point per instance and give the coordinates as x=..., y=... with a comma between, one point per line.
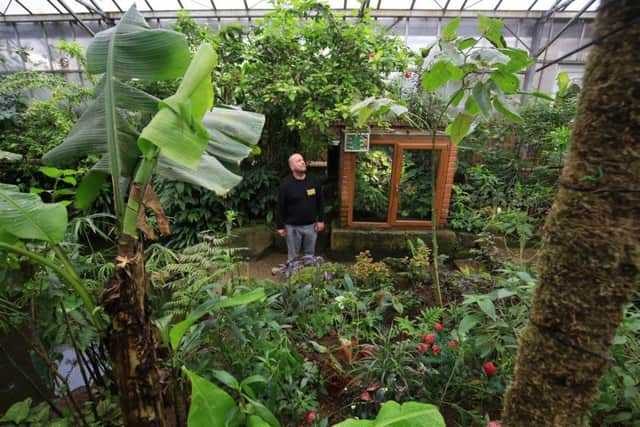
x=356, y=142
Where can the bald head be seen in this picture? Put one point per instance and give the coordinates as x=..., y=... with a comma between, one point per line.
x=297, y=165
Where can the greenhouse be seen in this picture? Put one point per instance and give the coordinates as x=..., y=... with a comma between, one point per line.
x=409, y=213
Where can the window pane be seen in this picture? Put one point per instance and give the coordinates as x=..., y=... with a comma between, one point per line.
x=415, y=192
x=373, y=182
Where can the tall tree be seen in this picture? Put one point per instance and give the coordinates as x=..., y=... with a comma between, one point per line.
x=590, y=261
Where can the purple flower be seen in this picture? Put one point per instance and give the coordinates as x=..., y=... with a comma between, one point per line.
x=328, y=276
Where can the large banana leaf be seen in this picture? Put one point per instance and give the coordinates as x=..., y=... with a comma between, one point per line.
x=195, y=144
x=134, y=50
x=130, y=50
x=232, y=133
x=89, y=136
x=177, y=129
x=25, y=216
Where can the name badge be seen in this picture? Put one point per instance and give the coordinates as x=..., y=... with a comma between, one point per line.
x=311, y=191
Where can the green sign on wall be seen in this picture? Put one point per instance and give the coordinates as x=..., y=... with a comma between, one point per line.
x=356, y=142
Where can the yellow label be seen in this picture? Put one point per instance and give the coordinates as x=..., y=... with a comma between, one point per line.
x=311, y=191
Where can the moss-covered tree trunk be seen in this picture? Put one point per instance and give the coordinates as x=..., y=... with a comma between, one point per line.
x=590, y=261
x=144, y=386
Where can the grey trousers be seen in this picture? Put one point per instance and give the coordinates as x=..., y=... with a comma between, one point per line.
x=300, y=236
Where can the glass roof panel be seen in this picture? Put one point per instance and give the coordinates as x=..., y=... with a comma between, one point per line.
x=577, y=5
x=453, y=4
x=142, y=5
x=351, y=4
x=515, y=5
x=110, y=6
x=73, y=5
x=260, y=4
x=230, y=4
x=395, y=4
x=196, y=4
x=480, y=4
x=158, y=4
x=38, y=6
x=13, y=9
x=426, y=5
x=543, y=5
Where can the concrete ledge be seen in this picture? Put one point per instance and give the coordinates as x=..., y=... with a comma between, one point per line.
x=257, y=239
x=348, y=242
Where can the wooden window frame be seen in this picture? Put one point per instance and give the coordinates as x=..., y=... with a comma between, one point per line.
x=446, y=161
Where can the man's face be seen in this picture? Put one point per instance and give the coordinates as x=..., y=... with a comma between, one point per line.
x=297, y=164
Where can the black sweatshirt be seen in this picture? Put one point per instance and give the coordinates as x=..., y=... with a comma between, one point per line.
x=299, y=202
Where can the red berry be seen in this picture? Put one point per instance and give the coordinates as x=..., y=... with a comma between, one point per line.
x=494, y=424
x=489, y=369
x=436, y=349
x=422, y=348
x=429, y=339
x=438, y=327
x=311, y=415
x=452, y=344
x=408, y=75
x=372, y=54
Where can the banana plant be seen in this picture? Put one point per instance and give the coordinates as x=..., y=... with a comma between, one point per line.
x=185, y=140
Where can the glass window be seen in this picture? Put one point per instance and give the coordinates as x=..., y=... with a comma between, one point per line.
x=415, y=191
x=373, y=184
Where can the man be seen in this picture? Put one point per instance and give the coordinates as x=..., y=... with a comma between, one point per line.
x=300, y=213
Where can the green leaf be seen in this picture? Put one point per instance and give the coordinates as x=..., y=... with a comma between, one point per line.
x=51, y=172
x=506, y=81
x=138, y=51
x=232, y=132
x=178, y=331
x=439, y=74
x=471, y=106
x=264, y=413
x=18, y=412
x=226, y=378
x=318, y=347
x=467, y=323
x=618, y=418
x=89, y=189
x=9, y=156
x=424, y=51
x=89, y=136
x=457, y=97
x=449, y=33
x=504, y=293
x=409, y=414
x=482, y=97
x=491, y=29
x=176, y=128
x=467, y=43
x=25, y=216
x=487, y=307
x=537, y=94
x=210, y=405
x=211, y=174
x=162, y=324
x=252, y=380
x=518, y=59
x=504, y=108
x=256, y=421
x=460, y=127
x=563, y=81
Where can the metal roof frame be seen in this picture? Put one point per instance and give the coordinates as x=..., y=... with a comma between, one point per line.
x=260, y=13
